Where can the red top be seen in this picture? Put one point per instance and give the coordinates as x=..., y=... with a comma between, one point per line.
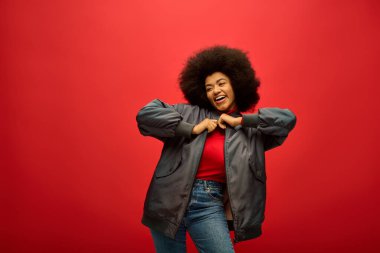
x=211, y=166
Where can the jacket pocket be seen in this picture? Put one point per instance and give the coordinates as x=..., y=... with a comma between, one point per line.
x=168, y=164
x=257, y=170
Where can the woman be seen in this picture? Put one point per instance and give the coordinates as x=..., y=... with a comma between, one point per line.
x=211, y=178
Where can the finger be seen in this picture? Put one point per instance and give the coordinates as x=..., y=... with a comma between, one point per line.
x=221, y=124
x=211, y=128
x=227, y=120
x=211, y=123
x=221, y=119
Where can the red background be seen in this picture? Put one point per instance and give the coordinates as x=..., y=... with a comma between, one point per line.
x=75, y=170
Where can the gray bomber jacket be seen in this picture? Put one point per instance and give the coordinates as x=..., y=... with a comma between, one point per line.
x=170, y=187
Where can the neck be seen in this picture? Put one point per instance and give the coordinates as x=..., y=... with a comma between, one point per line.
x=232, y=110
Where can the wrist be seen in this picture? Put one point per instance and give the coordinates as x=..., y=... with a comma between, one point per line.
x=239, y=121
x=194, y=130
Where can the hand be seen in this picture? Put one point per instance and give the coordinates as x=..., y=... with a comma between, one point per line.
x=232, y=121
x=209, y=124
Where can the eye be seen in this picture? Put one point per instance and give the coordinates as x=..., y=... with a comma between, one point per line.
x=208, y=89
x=221, y=84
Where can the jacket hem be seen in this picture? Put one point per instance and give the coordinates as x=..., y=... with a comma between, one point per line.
x=247, y=235
x=230, y=224
x=164, y=226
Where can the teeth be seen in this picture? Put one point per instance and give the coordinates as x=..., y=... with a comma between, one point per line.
x=219, y=98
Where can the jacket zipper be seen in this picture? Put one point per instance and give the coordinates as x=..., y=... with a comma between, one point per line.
x=228, y=187
x=192, y=183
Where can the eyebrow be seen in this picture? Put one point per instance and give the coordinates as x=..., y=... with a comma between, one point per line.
x=216, y=81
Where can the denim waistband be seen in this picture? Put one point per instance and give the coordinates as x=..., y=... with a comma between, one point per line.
x=209, y=183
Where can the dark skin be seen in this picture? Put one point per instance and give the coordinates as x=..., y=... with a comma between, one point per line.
x=221, y=96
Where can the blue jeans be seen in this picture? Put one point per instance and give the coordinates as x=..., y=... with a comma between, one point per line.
x=205, y=221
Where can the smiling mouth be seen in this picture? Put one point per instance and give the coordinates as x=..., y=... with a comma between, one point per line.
x=220, y=99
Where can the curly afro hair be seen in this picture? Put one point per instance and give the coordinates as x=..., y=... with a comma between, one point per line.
x=232, y=62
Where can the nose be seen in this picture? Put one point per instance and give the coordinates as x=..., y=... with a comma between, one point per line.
x=216, y=89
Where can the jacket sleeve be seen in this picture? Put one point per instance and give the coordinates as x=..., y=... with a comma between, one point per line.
x=161, y=120
x=274, y=123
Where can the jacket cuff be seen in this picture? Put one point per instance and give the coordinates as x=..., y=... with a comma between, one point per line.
x=184, y=129
x=250, y=120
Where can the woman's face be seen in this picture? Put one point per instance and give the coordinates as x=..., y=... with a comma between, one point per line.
x=219, y=91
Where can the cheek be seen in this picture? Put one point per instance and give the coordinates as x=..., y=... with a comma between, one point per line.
x=231, y=93
x=209, y=97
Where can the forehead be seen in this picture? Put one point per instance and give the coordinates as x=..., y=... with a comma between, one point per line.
x=214, y=77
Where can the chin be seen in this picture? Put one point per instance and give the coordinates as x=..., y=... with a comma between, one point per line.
x=221, y=109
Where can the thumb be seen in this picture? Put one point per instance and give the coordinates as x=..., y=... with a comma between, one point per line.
x=221, y=124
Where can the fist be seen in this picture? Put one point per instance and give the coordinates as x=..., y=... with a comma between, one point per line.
x=209, y=124
x=232, y=121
